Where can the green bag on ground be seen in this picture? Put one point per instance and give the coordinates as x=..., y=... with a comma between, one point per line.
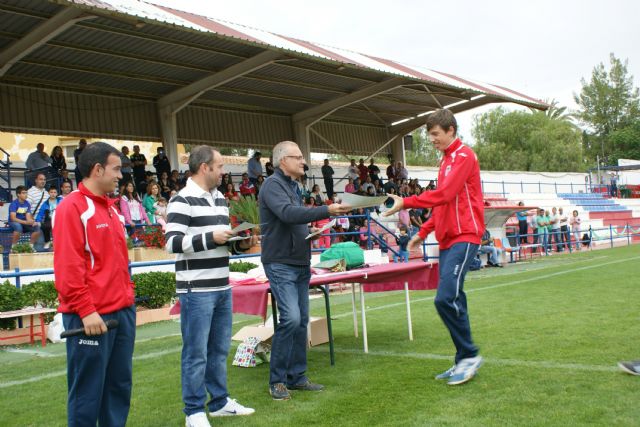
x=349, y=251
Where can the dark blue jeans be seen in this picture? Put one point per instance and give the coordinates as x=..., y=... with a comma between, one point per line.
x=99, y=370
x=451, y=301
x=205, y=321
x=290, y=287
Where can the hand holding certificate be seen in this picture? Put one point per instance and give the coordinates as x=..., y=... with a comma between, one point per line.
x=356, y=201
x=321, y=230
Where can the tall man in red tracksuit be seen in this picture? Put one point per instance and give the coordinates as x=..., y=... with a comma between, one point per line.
x=458, y=220
x=92, y=278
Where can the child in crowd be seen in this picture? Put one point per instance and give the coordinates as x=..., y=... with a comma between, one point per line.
x=45, y=215
x=403, y=241
x=20, y=218
x=161, y=212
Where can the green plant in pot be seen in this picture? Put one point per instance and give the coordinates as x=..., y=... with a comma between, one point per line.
x=22, y=248
x=245, y=209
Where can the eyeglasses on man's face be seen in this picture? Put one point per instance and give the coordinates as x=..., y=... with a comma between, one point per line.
x=298, y=158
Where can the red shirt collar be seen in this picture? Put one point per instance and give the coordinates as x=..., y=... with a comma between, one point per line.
x=453, y=146
x=100, y=199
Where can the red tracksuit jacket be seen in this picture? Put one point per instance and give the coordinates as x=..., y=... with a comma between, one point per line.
x=90, y=258
x=458, y=208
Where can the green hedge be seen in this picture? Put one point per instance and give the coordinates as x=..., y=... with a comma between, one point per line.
x=10, y=299
x=241, y=266
x=158, y=287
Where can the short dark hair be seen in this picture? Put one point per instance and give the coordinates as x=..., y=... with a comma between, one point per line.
x=52, y=187
x=443, y=118
x=20, y=189
x=199, y=155
x=96, y=153
x=403, y=228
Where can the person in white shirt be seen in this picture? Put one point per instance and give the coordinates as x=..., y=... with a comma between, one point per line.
x=555, y=230
x=575, y=228
x=565, y=238
x=37, y=195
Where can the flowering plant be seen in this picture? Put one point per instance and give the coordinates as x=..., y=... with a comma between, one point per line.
x=151, y=237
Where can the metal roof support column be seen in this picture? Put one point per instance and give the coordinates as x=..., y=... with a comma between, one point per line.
x=40, y=35
x=169, y=126
x=303, y=139
x=397, y=150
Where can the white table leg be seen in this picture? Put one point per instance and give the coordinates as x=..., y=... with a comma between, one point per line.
x=364, y=319
x=355, y=311
x=406, y=296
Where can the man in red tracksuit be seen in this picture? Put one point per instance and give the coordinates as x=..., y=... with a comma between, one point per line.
x=92, y=278
x=458, y=220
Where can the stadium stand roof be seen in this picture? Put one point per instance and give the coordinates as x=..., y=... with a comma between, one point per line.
x=134, y=70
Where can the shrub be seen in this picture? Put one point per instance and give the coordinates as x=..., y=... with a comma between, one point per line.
x=10, y=299
x=158, y=288
x=43, y=293
x=22, y=248
x=241, y=266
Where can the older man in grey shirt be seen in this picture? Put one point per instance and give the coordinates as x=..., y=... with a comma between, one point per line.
x=286, y=258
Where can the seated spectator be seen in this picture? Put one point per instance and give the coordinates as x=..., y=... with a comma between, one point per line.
x=46, y=214
x=58, y=162
x=390, y=184
x=259, y=182
x=165, y=184
x=231, y=193
x=350, y=187
x=402, y=240
x=132, y=208
x=174, y=179
x=246, y=186
x=226, y=179
x=65, y=189
x=20, y=218
x=316, y=195
x=65, y=178
x=486, y=247
x=150, y=199
x=367, y=184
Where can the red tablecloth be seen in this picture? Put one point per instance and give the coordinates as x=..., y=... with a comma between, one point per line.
x=252, y=298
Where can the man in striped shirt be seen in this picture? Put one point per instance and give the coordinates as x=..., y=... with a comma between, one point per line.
x=197, y=232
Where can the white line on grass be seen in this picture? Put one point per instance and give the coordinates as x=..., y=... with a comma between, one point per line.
x=56, y=374
x=544, y=364
x=505, y=362
x=501, y=285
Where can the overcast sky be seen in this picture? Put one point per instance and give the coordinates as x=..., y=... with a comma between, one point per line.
x=541, y=48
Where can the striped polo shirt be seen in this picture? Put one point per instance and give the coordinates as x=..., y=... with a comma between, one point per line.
x=192, y=215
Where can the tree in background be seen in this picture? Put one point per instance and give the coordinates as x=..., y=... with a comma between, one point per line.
x=423, y=152
x=608, y=103
x=527, y=141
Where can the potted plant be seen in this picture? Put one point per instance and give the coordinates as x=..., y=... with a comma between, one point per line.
x=152, y=249
x=23, y=256
x=245, y=209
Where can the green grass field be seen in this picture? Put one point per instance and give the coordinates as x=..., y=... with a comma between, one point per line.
x=551, y=332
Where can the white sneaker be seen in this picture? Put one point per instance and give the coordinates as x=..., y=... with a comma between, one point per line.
x=197, y=420
x=232, y=408
x=47, y=245
x=465, y=370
